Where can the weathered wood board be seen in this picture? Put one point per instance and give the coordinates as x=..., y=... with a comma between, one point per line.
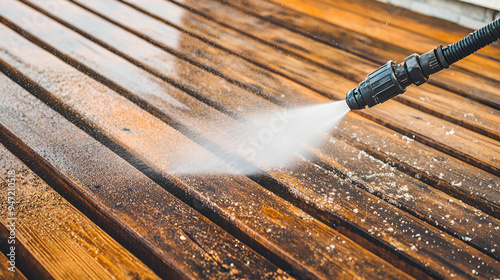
x=42, y=216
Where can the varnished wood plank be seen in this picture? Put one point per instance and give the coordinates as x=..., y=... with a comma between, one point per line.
x=161, y=32
x=387, y=33
x=400, y=17
x=5, y=273
x=482, y=90
x=267, y=228
x=61, y=239
x=121, y=200
x=453, y=176
x=312, y=173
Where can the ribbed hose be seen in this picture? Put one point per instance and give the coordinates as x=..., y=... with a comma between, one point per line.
x=470, y=44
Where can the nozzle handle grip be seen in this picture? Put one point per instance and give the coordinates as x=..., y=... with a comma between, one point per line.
x=379, y=86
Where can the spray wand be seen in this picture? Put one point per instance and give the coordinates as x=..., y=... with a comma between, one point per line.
x=391, y=79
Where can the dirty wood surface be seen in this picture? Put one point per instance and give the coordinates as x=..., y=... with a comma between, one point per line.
x=6, y=273
x=103, y=99
x=44, y=217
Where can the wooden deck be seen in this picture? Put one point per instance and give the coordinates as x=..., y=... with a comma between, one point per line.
x=98, y=96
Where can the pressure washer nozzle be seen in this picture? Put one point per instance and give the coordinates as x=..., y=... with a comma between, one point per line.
x=392, y=79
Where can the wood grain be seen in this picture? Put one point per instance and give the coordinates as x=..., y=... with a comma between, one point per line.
x=62, y=240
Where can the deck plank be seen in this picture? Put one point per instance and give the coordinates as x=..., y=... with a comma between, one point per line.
x=278, y=174
x=62, y=240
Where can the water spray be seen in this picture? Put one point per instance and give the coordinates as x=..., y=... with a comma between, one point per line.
x=270, y=140
x=392, y=79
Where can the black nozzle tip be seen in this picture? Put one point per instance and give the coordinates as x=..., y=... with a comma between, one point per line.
x=352, y=101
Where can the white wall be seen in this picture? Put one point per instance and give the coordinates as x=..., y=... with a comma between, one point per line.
x=470, y=13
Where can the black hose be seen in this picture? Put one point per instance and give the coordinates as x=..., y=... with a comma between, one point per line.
x=470, y=44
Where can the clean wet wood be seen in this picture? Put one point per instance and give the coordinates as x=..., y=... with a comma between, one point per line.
x=369, y=47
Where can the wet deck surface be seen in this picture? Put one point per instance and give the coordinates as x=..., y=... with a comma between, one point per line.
x=101, y=98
